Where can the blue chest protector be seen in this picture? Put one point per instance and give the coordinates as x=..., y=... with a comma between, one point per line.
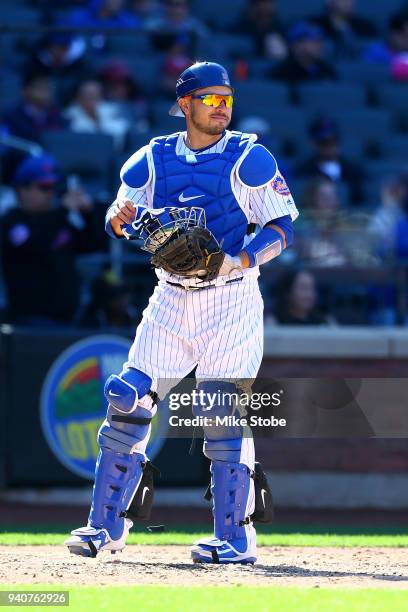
x=205, y=181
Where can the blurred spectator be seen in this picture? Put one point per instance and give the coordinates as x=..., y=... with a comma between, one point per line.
x=120, y=88
x=297, y=300
x=176, y=26
x=62, y=57
x=39, y=245
x=387, y=232
x=322, y=236
x=35, y=113
x=327, y=160
x=90, y=113
x=110, y=306
x=394, y=51
x=143, y=9
x=343, y=27
x=104, y=14
x=389, y=224
x=175, y=61
x=305, y=61
x=261, y=21
x=7, y=199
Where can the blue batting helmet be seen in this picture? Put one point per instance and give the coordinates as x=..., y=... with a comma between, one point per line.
x=198, y=76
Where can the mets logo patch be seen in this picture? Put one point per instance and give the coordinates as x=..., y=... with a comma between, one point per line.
x=279, y=185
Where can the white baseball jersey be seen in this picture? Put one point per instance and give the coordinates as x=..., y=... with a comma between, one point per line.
x=219, y=329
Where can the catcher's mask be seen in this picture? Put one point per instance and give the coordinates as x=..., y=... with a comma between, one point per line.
x=158, y=226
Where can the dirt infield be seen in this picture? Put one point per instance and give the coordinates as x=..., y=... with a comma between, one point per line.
x=170, y=565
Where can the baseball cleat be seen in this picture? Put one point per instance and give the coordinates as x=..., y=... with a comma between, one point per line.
x=213, y=550
x=88, y=541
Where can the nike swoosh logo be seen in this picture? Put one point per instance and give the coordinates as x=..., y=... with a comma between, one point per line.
x=112, y=394
x=263, y=491
x=183, y=198
x=144, y=493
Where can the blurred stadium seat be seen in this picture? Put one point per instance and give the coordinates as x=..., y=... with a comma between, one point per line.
x=363, y=72
x=14, y=3
x=353, y=147
x=326, y=97
x=218, y=15
x=259, y=67
x=257, y=94
x=291, y=10
x=378, y=170
x=371, y=125
x=137, y=139
x=90, y=156
x=378, y=10
x=10, y=87
x=395, y=147
x=126, y=45
x=231, y=46
x=165, y=123
x=15, y=14
x=394, y=98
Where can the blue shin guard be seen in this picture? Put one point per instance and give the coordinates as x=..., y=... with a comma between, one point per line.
x=233, y=501
x=117, y=478
x=231, y=451
x=122, y=439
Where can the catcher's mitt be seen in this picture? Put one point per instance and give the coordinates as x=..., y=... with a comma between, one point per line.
x=190, y=252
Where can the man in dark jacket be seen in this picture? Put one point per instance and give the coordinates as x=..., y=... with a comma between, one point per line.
x=39, y=244
x=32, y=115
x=327, y=160
x=343, y=27
x=305, y=61
x=36, y=112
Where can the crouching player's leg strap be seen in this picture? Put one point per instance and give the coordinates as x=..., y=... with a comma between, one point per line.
x=122, y=438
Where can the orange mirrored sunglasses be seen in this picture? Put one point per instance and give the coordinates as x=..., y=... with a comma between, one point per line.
x=215, y=99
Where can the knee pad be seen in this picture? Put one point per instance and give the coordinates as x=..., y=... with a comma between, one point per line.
x=132, y=406
x=126, y=434
x=125, y=391
x=217, y=403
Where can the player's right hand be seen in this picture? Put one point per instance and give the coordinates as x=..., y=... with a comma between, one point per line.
x=230, y=264
x=123, y=213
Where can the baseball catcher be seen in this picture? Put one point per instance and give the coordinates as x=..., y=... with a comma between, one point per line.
x=210, y=206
